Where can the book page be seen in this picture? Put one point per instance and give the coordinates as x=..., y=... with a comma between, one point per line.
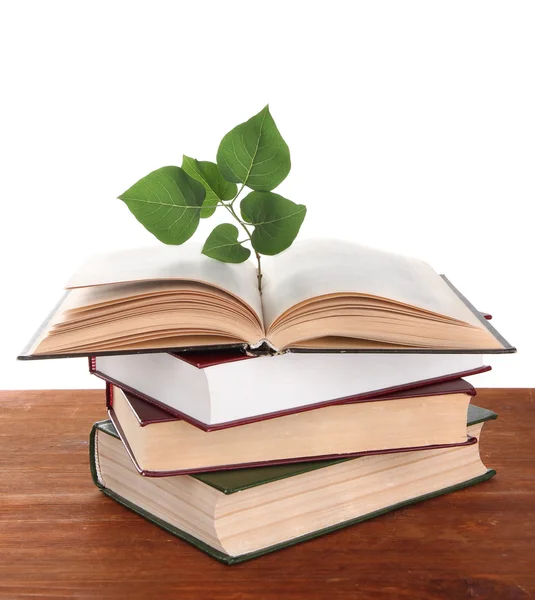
x=312, y=268
x=167, y=263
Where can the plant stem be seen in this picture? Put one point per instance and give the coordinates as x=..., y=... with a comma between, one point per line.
x=238, y=193
x=231, y=210
x=259, y=272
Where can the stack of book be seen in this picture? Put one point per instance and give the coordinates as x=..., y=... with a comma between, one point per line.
x=243, y=421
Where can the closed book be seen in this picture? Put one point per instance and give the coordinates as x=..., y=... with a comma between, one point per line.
x=161, y=444
x=217, y=390
x=239, y=515
x=319, y=295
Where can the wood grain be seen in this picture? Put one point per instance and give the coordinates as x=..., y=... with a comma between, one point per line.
x=61, y=538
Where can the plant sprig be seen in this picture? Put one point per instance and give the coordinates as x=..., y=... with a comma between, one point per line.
x=170, y=201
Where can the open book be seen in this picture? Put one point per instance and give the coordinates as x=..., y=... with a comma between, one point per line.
x=322, y=295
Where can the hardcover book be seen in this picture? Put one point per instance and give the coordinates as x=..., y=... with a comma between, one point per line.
x=239, y=515
x=161, y=444
x=226, y=388
x=319, y=295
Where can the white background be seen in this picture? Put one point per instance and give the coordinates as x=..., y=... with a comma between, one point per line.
x=411, y=127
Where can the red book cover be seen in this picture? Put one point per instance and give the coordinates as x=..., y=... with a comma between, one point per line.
x=412, y=388
x=148, y=414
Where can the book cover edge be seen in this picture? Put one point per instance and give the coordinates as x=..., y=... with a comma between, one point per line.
x=366, y=396
x=508, y=348
x=25, y=353
x=140, y=405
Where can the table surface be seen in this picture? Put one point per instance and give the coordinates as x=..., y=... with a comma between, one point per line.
x=61, y=538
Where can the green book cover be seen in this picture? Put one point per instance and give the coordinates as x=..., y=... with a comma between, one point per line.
x=230, y=482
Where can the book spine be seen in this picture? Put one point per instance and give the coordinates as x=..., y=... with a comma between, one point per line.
x=109, y=396
x=93, y=455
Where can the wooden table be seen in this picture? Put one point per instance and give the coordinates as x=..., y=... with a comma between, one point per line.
x=61, y=538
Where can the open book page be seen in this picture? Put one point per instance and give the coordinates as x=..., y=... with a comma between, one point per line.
x=147, y=314
x=312, y=268
x=167, y=263
x=115, y=296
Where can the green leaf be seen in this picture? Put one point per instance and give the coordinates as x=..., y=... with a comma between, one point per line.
x=222, y=244
x=255, y=154
x=217, y=188
x=168, y=203
x=276, y=220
